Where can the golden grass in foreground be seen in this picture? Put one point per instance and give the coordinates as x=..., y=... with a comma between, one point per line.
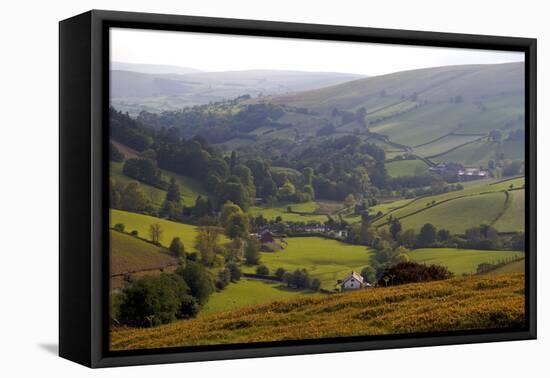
x=456, y=304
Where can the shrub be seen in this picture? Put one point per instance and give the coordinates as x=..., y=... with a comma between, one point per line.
x=189, y=307
x=119, y=227
x=224, y=277
x=315, y=284
x=198, y=279
x=262, y=270
x=177, y=247
x=235, y=271
x=279, y=273
x=134, y=233
x=408, y=272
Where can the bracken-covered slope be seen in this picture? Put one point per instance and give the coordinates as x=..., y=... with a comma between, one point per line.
x=482, y=302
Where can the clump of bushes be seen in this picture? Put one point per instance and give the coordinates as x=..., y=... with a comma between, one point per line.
x=410, y=271
x=155, y=300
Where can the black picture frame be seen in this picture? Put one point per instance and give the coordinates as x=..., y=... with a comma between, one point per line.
x=83, y=151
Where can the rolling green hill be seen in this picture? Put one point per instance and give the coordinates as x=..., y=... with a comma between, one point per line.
x=482, y=302
x=484, y=201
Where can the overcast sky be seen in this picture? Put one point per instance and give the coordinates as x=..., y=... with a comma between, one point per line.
x=216, y=52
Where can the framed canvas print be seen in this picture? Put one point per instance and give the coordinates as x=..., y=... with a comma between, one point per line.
x=234, y=188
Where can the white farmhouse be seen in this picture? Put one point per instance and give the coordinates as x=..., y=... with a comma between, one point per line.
x=354, y=281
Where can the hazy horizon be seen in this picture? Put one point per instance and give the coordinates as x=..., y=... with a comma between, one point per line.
x=222, y=53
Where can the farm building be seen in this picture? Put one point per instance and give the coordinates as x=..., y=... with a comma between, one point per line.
x=266, y=237
x=472, y=174
x=354, y=281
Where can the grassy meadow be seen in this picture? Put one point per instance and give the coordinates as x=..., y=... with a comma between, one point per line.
x=326, y=259
x=460, y=261
x=481, y=302
x=248, y=292
x=141, y=223
x=406, y=168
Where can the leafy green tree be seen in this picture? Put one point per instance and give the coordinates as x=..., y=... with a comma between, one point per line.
x=119, y=227
x=395, y=228
x=247, y=179
x=262, y=270
x=198, y=279
x=177, y=247
x=252, y=252
x=235, y=271
x=350, y=200
x=279, y=273
x=173, y=193
x=427, y=235
x=153, y=300
x=132, y=198
x=443, y=235
x=237, y=226
x=207, y=243
x=315, y=284
x=286, y=192
x=144, y=170
x=407, y=238
x=369, y=274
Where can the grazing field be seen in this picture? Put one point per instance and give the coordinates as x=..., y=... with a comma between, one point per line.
x=460, y=261
x=459, y=214
x=301, y=212
x=514, y=267
x=465, y=206
x=480, y=152
x=130, y=254
x=141, y=223
x=513, y=219
x=462, y=303
x=326, y=259
x=246, y=293
x=444, y=144
x=406, y=168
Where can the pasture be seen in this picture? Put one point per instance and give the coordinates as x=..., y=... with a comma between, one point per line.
x=406, y=168
x=480, y=302
x=460, y=261
x=141, y=223
x=513, y=218
x=326, y=259
x=247, y=292
x=301, y=212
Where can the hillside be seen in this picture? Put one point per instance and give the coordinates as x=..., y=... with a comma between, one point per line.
x=134, y=90
x=481, y=302
x=436, y=85
x=130, y=255
x=484, y=201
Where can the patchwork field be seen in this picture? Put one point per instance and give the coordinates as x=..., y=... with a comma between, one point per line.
x=328, y=260
x=479, y=202
x=481, y=302
x=460, y=261
x=514, y=267
x=459, y=214
x=141, y=223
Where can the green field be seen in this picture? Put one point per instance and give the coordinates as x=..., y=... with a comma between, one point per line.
x=513, y=219
x=329, y=260
x=444, y=144
x=406, y=168
x=189, y=187
x=301, y=212
x=460, y=261
x=459, y=214
x=479, y=202
x=141, y=223
x=246, y=293
x=480, y=152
